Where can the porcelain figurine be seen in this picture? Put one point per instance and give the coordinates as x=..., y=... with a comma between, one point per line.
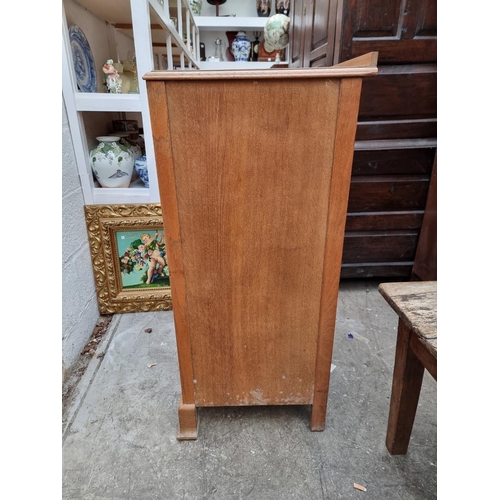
x=263, y=8
x=283, y=7
x=113, y=79
x=276, y=32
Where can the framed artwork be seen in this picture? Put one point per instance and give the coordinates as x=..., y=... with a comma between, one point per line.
x=127, y=244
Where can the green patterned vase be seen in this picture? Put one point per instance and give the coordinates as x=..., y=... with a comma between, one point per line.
x=112, y=162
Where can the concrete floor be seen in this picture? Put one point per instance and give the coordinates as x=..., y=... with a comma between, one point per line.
x=119, y=432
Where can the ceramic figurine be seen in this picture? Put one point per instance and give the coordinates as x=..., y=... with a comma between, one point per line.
x=283, y=7
x=263, y=8
x=276, y=32
x=113, y=79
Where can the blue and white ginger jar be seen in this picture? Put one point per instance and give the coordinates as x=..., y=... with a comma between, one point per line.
x=241, y=47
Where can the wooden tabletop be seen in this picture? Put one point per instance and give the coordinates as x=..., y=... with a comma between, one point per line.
x=415, y=302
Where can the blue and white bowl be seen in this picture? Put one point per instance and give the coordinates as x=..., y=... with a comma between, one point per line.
x=141, y=167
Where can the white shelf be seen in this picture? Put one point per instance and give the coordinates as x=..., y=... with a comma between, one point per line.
x=228, y=65
x=107, y=102
x=137, y=193
x=223, y=23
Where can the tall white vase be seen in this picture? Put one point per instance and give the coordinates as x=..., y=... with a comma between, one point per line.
x=112, y=162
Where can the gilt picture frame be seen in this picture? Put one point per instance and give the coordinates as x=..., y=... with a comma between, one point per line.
x=127, y=245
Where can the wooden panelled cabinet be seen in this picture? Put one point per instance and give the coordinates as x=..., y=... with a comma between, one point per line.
x=254, y=234
x=396, y=136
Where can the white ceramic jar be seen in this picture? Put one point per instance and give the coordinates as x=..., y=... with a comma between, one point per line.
x=112, y=162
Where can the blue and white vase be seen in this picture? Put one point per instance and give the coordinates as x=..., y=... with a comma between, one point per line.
x=241, y=47
x=112, y=162
x=141, y=167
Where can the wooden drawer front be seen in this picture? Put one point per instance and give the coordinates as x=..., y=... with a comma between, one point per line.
x=388, y=193
x=396, y=129
x=400, y=93
x=389, y=246
x=407, y=51
x=384, y=221
x=401, y=270
x=393, y=162
x=382, y=193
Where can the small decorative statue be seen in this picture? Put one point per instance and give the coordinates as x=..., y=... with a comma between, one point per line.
x=113, y=80
x=276, y=32
x=283, y=7
x=263, y=8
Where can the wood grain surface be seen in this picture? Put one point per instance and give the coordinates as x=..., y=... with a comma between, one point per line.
x=254, y=172
x=415, y=303
x=253, y=225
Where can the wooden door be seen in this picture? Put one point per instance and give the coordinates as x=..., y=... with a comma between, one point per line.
x=313, y=33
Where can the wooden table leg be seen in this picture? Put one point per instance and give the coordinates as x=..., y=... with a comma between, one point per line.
x=406, y=385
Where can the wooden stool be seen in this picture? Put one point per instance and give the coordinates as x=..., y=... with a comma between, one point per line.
x=416, y=349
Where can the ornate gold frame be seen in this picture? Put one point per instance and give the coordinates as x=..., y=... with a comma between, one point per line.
x=102, y=223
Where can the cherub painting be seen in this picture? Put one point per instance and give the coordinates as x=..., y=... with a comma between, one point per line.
x=143, y=260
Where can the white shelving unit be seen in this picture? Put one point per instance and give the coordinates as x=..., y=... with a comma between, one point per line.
x=148, y=23
x=230, y=23
x=79, y=103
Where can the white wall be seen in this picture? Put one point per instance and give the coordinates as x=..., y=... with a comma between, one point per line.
x=79, y=302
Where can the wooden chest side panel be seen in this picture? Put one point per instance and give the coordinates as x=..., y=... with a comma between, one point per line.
x=253, y=226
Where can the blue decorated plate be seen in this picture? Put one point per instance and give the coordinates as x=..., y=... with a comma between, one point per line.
x=83, y=60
